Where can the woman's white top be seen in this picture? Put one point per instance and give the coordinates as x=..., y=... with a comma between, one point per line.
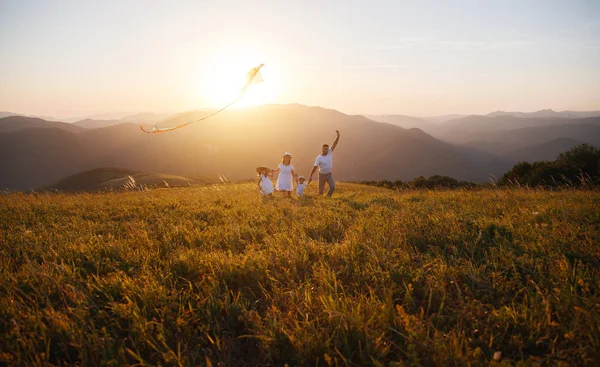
x=300, y=188
x=266, y=186
x=285, y=181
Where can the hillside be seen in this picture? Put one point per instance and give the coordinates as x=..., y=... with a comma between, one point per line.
x=31, y=158
x=216, y=276
x=237, y=141
x=90, y=180
x=110, y=178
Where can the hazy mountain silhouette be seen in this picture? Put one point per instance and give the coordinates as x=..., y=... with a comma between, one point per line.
x=7, y=114
x=145, y=118
x=507, y=141
x=485, y=128
x=443, y=118
x=235, y=142
x=14, y=123
x=545, y=151
x=139, y=118
x=476, y=131
x=407, y=122
x=547, y=113
x=95, y=124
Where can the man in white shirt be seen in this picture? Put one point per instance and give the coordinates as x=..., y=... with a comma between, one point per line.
x=325, y=163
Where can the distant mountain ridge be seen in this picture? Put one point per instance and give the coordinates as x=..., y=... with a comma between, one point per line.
x=547, y=151
x=547, y=113
x=95, y=124
x=15, y=123
x=139, y=118
x=404, y=121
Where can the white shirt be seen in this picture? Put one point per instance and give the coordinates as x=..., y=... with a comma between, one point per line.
x=325, y=162
x=300, y=188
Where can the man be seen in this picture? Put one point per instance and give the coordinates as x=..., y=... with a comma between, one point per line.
x=325, y=162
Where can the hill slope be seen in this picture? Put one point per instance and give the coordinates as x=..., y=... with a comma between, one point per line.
x=215, y=275
x=102, y=178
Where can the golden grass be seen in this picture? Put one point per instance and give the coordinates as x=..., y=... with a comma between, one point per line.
x=215, y=274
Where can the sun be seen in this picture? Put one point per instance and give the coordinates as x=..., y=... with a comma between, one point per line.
x=225, y=78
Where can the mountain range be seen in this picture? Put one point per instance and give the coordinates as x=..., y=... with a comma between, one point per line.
x=511, y=137
x=37, y=153
x=233, y=144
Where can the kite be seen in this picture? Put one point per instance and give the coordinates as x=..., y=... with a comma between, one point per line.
x=252, y=77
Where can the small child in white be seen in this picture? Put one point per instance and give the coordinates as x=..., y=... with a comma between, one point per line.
x=265, y=186
x=300, y=185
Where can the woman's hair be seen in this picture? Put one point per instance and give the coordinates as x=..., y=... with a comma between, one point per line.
x=283, y=158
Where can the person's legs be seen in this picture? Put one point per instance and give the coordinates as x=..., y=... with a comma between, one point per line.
x=331, y=183
x=322, y=180
x=289, y=194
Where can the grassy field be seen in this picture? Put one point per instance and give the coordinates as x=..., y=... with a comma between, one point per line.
x=217, y=276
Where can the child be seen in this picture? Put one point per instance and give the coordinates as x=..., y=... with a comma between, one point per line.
x=285, y=180
x=265, y=186
x=300, y=185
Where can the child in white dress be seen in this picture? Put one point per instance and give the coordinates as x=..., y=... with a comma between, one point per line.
x=285, y=180
x=300, y=185
x=265, y=186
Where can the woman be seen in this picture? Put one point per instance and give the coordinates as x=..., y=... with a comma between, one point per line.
x=285, y=180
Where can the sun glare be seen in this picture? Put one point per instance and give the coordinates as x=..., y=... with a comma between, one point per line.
x=225, y=78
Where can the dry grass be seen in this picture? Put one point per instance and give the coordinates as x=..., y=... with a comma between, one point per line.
x=209, y=275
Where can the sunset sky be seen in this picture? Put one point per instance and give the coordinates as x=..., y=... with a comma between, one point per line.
x=78, y=58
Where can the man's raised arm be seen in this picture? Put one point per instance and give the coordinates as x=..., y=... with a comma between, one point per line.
x=337, y=139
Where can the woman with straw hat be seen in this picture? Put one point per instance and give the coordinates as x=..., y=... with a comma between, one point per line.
x=285, y=180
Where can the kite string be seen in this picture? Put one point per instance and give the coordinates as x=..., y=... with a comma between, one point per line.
x=252, y=74
x=255, y=71
x=212, y=114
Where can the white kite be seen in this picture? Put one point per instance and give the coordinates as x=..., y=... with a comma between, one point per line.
x=252, y=77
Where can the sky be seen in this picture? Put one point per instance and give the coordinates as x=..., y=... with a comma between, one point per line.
x=422, y=58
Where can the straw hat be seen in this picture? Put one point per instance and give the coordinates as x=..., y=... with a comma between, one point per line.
x=287, y=154
x=261, y=168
